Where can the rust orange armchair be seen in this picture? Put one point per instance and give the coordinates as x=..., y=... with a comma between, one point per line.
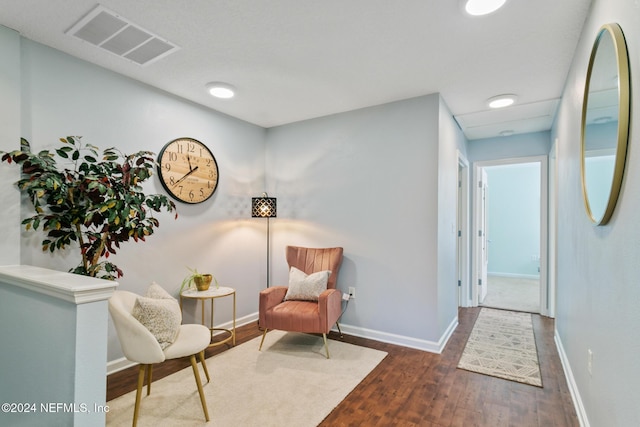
x=300, y=315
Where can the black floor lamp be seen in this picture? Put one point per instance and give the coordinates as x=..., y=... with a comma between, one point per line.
x=264, y=207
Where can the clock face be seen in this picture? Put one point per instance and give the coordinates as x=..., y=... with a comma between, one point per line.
x=188, y=170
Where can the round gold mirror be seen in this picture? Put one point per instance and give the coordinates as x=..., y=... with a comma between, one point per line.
x=605, y=123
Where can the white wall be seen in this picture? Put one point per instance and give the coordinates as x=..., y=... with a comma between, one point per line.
x=9, y=140
x=54, y=347
x=597, y=284
x=451, y=141
x=64, y=96
x=508, y=147
x=513, y=215
x=368, y=180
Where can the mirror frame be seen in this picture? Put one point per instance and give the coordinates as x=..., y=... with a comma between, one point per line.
x=624, y=97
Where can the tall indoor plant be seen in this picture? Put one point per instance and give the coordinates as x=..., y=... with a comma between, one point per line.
x=96, y=203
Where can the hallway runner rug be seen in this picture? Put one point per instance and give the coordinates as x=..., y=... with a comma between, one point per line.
x=290, y=383
x=502, y=344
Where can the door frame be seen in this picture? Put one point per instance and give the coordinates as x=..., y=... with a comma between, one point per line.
x=463, y=241
x=547, y=299
x=553, y=230
x=482, y=242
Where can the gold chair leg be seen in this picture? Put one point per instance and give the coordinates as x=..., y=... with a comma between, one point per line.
x=262, y=340
x=196, y=374
x=326, y=347
x=141, y=374
x=204, y=366
x=149, y=376
x=339, y=330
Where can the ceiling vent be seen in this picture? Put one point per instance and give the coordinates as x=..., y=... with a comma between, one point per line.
x=107, y=30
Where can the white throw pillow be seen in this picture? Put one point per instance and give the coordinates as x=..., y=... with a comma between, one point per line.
x=160, y=313
x=306, y=287
x=156, y=291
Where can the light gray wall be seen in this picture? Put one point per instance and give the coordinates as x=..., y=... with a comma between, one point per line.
x=598, y=270
x=9, y=140
x=369, y=180
x=54, y=347
x=513, y=215
x=26, y=377
x=451, y=141
x=64, y=96
x=508, y=147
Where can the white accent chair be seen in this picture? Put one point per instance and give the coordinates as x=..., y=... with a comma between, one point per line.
x=139, y=345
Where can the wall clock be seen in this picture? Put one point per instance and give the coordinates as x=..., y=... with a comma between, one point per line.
x=188, y=170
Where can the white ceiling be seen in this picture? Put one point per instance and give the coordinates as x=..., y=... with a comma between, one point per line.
x=293, y=60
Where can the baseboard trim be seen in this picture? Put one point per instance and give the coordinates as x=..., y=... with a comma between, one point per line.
x=571, y=382
x=118, y=365
x=425, y=345
x=122, y=363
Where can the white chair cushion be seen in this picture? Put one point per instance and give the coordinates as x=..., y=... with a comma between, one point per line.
x=192, y=339
x=306, y=287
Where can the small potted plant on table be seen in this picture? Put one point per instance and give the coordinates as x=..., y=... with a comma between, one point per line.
x=202, y=281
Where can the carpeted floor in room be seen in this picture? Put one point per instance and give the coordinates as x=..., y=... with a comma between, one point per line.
x=513, y=293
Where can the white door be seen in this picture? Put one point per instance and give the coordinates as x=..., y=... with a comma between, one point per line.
x=483, y=187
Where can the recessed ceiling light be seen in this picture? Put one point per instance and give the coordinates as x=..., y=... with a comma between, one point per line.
x=501, y=101
x=482, y=7
x=507, y=132
x=221, y=90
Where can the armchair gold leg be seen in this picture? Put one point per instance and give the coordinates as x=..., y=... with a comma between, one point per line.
x=326, y=347
x=141, y=374
x=264, y=334
x=204, y=366
x=196, y=374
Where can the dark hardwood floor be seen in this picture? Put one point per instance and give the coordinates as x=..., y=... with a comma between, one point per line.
x=416, y=388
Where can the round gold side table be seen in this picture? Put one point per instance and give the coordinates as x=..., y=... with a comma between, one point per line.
x=211, y=294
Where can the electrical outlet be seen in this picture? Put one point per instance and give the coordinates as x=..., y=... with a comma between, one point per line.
x=352, y=292
x=589, y=361
x=345, y=296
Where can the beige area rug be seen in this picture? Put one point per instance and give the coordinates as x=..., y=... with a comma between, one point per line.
x=502, y=345
x=289, y=383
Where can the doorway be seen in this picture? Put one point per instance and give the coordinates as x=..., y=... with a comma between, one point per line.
x=510, y=228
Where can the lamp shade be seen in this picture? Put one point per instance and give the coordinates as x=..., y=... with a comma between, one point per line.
x=263, y=207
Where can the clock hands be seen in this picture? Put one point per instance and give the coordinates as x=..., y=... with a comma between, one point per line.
x=186, y=175
x=189, y=161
